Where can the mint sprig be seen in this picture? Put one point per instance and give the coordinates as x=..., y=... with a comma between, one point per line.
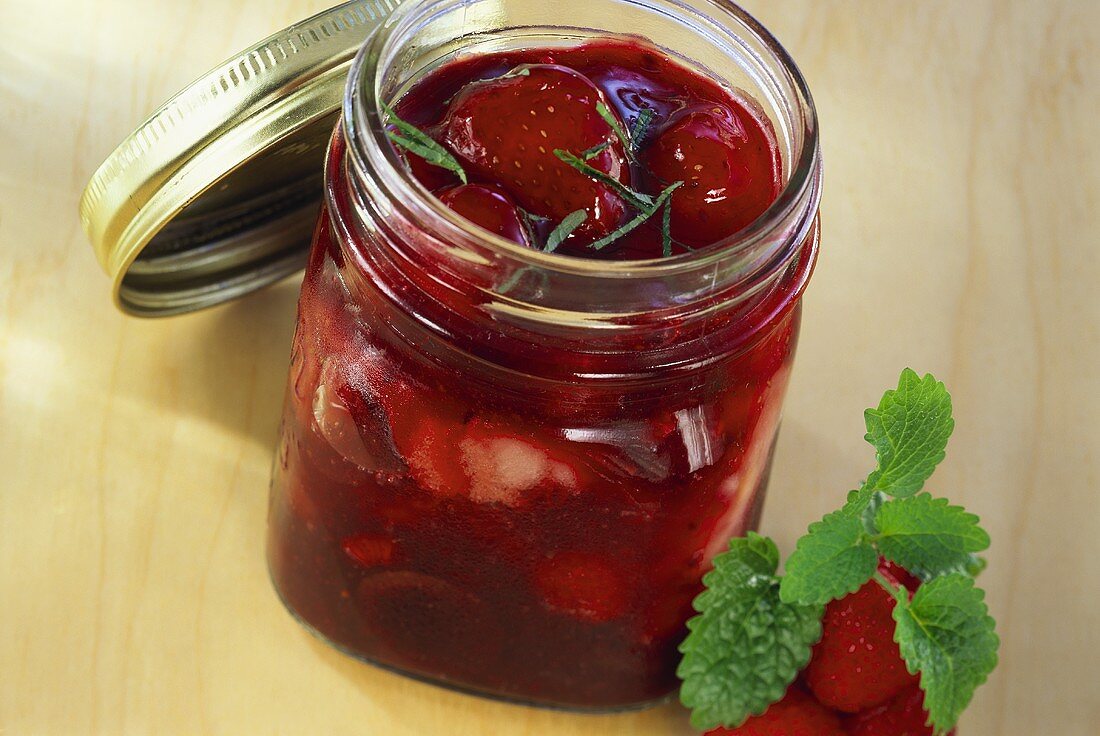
x=746, y=646
x=944, y=632
x=416, y=141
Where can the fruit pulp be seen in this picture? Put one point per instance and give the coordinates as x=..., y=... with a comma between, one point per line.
x=539, y=545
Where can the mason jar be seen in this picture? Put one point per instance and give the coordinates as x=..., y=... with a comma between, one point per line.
x=505, y=470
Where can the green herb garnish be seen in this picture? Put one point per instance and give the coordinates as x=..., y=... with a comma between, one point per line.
x=755, y=630
x=612, y=120
x=644, y=215
x=416, y=141
x=564, y=229
x=641, y=126
x=638, y=200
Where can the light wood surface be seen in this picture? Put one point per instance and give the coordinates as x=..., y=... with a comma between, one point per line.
x=961, y=220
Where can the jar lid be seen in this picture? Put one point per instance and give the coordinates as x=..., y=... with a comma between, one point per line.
x=216, y=194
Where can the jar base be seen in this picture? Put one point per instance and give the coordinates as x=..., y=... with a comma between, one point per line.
x=464, y=689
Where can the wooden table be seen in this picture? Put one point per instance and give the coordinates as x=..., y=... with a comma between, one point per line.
x=960, y=214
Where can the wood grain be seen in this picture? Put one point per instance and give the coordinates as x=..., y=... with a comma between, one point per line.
x=960, y=221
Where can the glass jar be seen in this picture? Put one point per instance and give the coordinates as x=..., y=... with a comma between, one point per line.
x=505, y=470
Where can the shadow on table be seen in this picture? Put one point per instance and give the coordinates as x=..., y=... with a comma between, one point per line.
x=226, y=366
x=425, y=708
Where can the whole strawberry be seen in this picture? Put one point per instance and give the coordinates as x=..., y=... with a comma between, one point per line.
x=857, y=665
x=797, y=714
x=507, y=129
x=902, y=716
x=730, y=171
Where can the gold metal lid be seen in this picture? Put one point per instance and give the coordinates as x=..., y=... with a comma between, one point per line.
x=216, y=194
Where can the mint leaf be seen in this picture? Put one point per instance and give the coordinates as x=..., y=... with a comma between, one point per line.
x=666, y=229
x=612, y=120
x=641, y=126
x=746, y=646
x=909, y=431
x=945, y=632
x=420, y=143
x=927, y=536
x=591, y=153
x=833, y=559
x=638, y=200
x=637, y=220
x=564, y=229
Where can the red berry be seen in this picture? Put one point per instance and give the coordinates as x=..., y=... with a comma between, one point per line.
x=488, y=207
x=582, y=585
x=369, y=550
x=903, y=576
x=857, y=665
x=729, y=165
x=506, y=130
x=795, y=715
x=902, y=716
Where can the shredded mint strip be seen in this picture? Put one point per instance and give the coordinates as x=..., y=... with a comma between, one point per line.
x=595, y=150
x=641, y=126
x=638, y=200
x=420, y=143
x=612, y=120
x=564, y=229
x=639, y=219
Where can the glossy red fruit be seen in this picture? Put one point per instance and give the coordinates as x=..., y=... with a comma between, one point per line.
x=857, y=665
x=506, y=129
x=903, y=576
x=489, y=207
x=369, y=550
x=583, y=585
x=797, y=714
x=902, y=716
x=729, y=166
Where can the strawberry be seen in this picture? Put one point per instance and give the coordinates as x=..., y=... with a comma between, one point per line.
x=903, y=576
x=797, y=714
x=487, y=206
x=583, y=585
x=506, y=130
x=857, y=665
x=729, y=166
x=369, y=550
x=902, y=716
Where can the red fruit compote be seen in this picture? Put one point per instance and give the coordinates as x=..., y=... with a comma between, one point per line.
x=503, y=468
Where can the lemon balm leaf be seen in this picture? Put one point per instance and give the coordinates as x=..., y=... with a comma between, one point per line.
x=928, y=536
x=909, y=431
x=832, y=559
x=746, y=646
x=946, y=634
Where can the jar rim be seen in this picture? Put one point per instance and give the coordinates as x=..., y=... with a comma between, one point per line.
x=366, y=134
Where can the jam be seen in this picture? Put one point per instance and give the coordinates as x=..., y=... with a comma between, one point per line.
x=530, y=516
